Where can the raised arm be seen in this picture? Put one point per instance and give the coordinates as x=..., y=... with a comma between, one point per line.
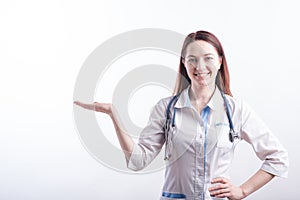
x=151, y=139
x=124, y=138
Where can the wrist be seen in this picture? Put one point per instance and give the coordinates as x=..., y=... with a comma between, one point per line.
x=244, y=192
x=111, y=110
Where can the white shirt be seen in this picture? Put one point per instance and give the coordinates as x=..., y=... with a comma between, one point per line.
x=200, y=149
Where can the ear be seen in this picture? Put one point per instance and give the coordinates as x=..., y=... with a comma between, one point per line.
x=183, y=61
x=220, y=62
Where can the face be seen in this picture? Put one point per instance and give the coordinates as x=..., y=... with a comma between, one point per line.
x=202, y=63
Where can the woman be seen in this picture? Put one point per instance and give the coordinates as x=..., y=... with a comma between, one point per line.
x=204, y=124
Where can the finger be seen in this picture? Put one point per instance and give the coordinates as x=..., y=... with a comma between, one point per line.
x=85, y=105
x=218, y=187
x=219, y=180
x=223, y=195
x=219, y=192
x=88, y=106
x=76, y=102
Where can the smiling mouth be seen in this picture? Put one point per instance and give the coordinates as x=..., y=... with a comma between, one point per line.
x=201, y=74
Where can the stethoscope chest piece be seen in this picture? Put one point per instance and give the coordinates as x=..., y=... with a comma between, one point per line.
x=233, y=135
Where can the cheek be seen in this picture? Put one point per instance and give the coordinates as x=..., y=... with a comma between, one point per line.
x=213, y=66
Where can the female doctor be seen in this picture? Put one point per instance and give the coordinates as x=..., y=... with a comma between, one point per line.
x=205, y=125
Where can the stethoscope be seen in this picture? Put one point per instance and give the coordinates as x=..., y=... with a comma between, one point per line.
x=232, y=134
x=170, y=122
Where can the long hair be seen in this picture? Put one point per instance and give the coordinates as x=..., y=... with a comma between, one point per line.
x=222, y=79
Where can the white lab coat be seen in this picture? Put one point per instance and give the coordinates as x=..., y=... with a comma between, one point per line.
x=196, y=157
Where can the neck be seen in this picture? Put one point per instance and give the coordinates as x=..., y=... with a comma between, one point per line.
x=201, y=94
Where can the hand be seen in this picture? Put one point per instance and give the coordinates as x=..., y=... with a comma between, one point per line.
x=225, y=189
x=98, y=107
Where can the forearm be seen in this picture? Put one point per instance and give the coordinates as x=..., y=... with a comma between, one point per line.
x=259, y=179
x=124, y=138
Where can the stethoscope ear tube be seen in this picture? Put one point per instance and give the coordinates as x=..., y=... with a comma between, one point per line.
x=169, y=122
x=232, y=134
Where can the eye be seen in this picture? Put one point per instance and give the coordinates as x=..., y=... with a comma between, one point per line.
x=192, y=60
x=209, y=58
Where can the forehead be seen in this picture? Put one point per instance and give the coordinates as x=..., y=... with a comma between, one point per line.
x=200, y=47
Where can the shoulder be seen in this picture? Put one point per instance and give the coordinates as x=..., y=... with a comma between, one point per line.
x=242, y=110
x=235, y=103
x=164, y=101
x=238, y=105
x=161, y=105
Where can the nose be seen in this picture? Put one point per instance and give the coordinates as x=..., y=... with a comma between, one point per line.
x=200, y=65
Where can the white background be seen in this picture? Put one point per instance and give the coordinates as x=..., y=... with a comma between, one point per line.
x=43, y=45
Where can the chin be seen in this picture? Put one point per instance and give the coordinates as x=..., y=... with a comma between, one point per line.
x=201, y=83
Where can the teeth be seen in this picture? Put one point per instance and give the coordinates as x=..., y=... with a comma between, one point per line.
x=203, y=74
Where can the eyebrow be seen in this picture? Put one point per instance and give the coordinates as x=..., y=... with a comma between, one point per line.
x=190, y=56
x=207, y=54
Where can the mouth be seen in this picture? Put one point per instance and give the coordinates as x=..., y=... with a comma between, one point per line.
x=202, y=74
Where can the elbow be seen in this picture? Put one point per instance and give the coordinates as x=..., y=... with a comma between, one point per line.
x=278, y=166
x=135, y=169
x=135, y=166
x=137, y=160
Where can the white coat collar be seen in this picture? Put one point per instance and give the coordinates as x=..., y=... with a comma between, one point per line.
x=216, y=102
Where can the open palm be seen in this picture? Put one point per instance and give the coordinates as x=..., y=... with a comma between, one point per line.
x=98, y=107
